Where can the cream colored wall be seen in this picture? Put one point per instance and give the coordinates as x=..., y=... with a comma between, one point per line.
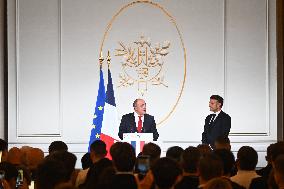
x=53, y=68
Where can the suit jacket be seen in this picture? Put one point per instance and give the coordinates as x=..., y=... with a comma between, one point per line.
x=128, y=125
x=219, y=127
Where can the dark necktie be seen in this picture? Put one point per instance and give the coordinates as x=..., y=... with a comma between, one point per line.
x=139, y=128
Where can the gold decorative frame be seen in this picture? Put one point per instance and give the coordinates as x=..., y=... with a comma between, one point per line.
x=172, y=20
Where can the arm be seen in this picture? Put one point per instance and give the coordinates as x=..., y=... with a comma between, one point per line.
x=226, y=125
x=204, y=134
x=154, y=130
x=122, y=127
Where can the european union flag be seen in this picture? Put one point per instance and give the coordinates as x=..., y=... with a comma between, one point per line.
x=99, y=112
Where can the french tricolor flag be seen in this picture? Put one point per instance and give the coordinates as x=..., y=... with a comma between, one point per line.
x=110, y=125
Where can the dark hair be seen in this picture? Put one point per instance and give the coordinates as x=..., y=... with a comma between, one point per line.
x=135, y=103
x=67, y=158
x=190, y=159
x=277, y=149
x=152, y=150
x=222, y=140
x=268, y=156
x=218, y=98
x=165, y=172
x=227, y=158
x=204, y=149
x=123, y=156
x=86, y=161
x=50, y=173
x=3, y=145
x=247, y=158
x=57, y=146
x=279, y=165
x=219, y=183
x=210, y=166
x=9, y=169
x=174, y=153
x=99, y=148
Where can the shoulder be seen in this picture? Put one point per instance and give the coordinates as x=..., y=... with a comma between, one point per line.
x=224, y=114
x=149, y=116
x=128, y=115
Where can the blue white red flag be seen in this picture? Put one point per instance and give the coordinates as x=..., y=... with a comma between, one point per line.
x=99, y=112
x=110, y=125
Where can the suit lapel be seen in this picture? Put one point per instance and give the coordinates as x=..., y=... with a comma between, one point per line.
x=133, y=122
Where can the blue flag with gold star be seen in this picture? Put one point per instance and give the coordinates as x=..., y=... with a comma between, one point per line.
x=99, y=112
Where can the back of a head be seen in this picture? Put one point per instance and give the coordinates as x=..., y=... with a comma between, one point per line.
x=33, y=156
x=67, y=158
x=247, y=158
x=166, y=172
x=123, y=156
x=210, y=166
x=222, y=142
x=190, y=159
x=152, y=150
x=174, y=153
x=277, y=149
x=218, y=183
x=57, y=146
x=227, y=158
x=279, y=167
x=99, y=148
x=86, y=161
x=9, y=169
x=204, y=149
x=15, y=156
x=3, y=145
x=50, y=173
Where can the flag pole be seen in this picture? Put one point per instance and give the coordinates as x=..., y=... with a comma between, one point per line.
x=101, y=59
x=108, y=59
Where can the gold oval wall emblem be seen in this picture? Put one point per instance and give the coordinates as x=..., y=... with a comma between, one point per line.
x=172, y=20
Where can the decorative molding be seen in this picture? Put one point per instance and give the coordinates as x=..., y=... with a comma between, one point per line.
x=60, y=128
x=267, y=75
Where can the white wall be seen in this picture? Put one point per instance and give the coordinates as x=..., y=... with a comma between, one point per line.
x=221, y=47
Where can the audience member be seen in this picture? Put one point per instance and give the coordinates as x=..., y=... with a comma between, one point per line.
x=218, y=183
x=246, y=162
x=50, y=173
x=98, y=154
x=3, y=150
x=189, y=162
x=15, y=156
x=264, y=172
x=210, y=166
x=123, y=156
x=166, y=173
x=279, y=171
x=32, y=158
x=10, y=172
x=174, y=153
x=69, y=161
x=152, y=150
x=204, y=149
x=57, y=146
x=222, y=142
x=86, y=161
x=228, y=161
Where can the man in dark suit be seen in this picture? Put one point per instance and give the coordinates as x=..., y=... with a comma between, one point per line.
x=216, y=124
x=138, y=121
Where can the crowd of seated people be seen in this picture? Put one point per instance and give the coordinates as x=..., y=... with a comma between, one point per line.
x=191, y=168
